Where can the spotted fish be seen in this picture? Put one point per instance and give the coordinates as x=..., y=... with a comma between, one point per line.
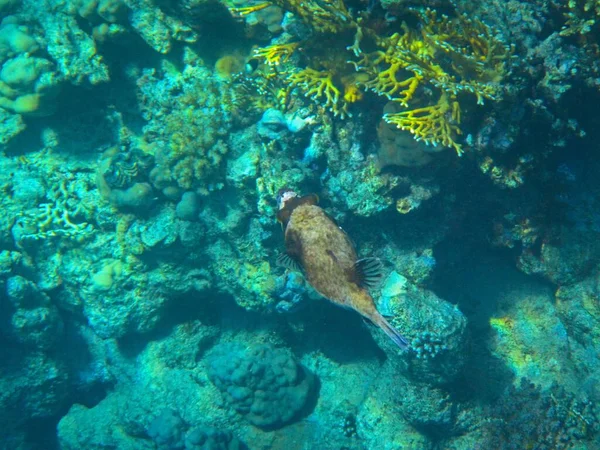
x=324, y=253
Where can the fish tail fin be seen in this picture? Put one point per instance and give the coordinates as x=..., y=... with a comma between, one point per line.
x=394, y=335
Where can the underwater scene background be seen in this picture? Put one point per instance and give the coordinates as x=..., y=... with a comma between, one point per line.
x=150, y=299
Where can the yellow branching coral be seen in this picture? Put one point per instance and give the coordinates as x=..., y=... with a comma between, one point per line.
x=319, y=85
x=352, y=87
x=323, y=16
x=470, y=42
x=437, y=124
x=475, y=58
x=246, y=10
x=276, y=54
x=386, y=82
x=455, y=57
x=397, y=73
x=481, y=91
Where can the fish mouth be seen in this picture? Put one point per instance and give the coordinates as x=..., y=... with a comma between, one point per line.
x=284, y=195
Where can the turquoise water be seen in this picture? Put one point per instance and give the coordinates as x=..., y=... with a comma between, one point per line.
x=319, y=225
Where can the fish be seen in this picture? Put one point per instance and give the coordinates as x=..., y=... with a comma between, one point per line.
x=318, y=248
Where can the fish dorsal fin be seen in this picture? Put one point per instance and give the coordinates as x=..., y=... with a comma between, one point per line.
x=286, y=261
x=369, y=272
x=283, y=215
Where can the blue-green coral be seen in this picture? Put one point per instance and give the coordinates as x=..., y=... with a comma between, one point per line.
x=264, y=384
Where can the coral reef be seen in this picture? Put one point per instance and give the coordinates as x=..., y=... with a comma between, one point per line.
x=143, y=145
x=541, y=420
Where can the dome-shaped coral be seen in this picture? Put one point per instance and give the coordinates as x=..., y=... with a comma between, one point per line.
x=264, y=384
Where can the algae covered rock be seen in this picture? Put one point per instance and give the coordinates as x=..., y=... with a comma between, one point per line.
x=33, y=386
x=13, y=124
x=568, y=262
x=436, y=328
x=188, y=207
x=266, y=385
x=578, y=308
x=379, y=426
x=7, y=5
x=92, y=428
x=34, y=320
x=158, y=402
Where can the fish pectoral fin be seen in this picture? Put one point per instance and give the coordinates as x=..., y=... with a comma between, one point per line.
x=369, y=272
x=286, y=261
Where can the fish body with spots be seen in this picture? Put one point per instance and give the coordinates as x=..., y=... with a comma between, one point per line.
x=324, y=253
